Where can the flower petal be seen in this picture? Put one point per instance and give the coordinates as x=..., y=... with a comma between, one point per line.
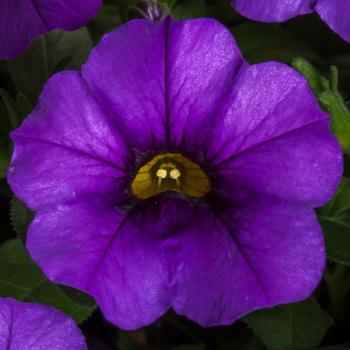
x=273, y=138
x=66, y=14
x=126, y=72
x=240, y=259
x=150, y=76
x=25, y=326
x=19, y=25
x=203, y=63
x=336, y=14
x=272, y=10
x=116, y=257
x=211, y=267
x=68, y=148
x=22, y=20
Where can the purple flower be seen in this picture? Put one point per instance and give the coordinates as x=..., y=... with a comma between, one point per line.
x=335, y=13
x=25, y=326
x=23, y=20
x=169, y=173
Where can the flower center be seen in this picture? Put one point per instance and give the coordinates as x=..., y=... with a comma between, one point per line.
x=170, y=172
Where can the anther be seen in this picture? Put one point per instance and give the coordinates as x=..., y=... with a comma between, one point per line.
x=170, y=172
x=175, y=174
x=161, y=173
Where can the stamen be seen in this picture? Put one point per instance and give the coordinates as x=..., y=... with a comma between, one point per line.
x=161, y=173
x=175, y=174
x=170, y=172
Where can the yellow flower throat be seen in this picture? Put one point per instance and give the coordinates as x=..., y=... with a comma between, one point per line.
x=170, y=172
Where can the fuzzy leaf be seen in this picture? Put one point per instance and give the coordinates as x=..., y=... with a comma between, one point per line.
x=317, y=82
x=333, y=103
x=329, y=98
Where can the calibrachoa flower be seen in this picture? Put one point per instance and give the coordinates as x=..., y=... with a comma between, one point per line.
x=169, y=173
x=335, y=13
x=23, y=20
x=25, y=326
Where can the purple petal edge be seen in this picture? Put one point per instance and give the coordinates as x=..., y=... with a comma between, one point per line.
x=26, y=326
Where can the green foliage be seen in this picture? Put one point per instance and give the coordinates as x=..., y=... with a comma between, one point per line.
x=109, y=18
x=21, y=217
x=335, y=221
x=317, y=82
x=24, y=105
x=4, y=162
x=170, y=3
x=337, y=280
x=329, y=98
x=220, y=10
x=11, y=108
x=298, y=326
x=79, y=297
x=30, y=70
x=21, y=278
x=47, y=55
x=261, y=42
x=5, y=128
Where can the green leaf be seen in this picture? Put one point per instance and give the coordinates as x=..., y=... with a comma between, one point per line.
x=261, y=42
x=108, y=18
x=317, y=82
x=30, y=71
x=24, y=105
x=298, y=326
x=67, y=50
x=333, y=103
x=11, y=108
x=16, y=110
x=5, y=125
x=22, y=279
x=170, y=3
x=21, y=216
x=329, y=98
x=79, y=297
x=335, y=221
x=4, y=162
x=220, y=10
x=337, y=281
x=346, y=165
x=47, y=55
